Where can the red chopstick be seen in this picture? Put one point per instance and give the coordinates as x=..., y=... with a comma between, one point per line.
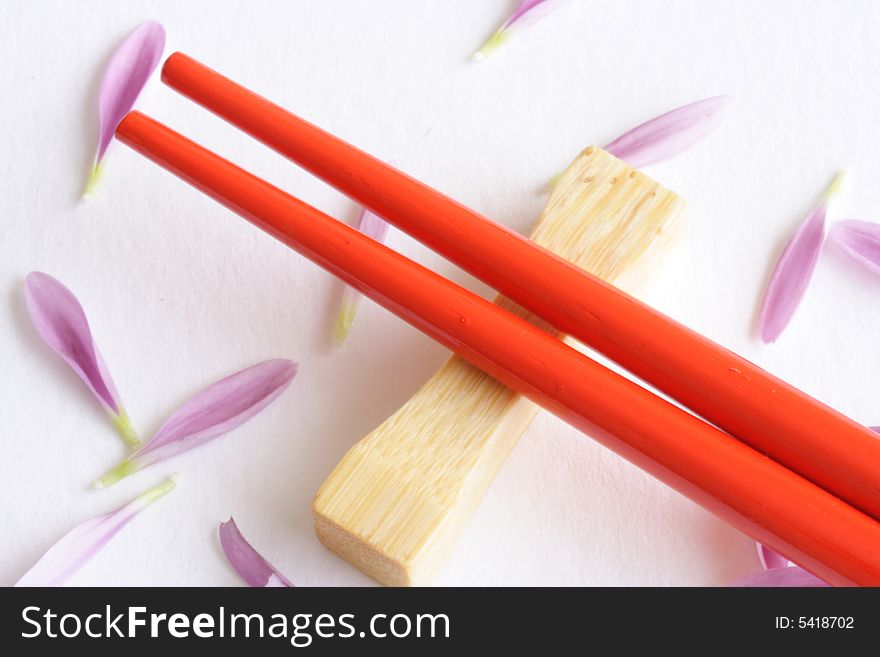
x=770, y=415
x=752, y=492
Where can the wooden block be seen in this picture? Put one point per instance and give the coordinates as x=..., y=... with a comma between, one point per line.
x=397, y=501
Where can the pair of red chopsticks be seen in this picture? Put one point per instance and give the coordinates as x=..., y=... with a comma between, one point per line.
x=787, y=470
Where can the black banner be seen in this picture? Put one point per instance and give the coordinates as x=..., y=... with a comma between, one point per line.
x=435, y=621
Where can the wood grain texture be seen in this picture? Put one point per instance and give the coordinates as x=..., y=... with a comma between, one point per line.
x=397, y=501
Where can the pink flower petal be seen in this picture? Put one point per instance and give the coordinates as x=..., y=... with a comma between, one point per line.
x=783, y=577
x=669, y=134
x=246, y=561
x=79, y=545
x=860, y=240
x=128, y=70
x=794, y=270
x=216, y=410
x=61, y=322
x=527, y=13
x=373, y=226
x=770, y=558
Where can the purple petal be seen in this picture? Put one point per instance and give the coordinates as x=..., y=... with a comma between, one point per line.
x=793, y=576
x=793, y=271
x=216, y=410
x=527, y=13
x=770, y=558
x=225, y=405
x=669, y=134
x=128, y=70
x=78, y=546
x=373, y=226
x=860, y=240
x=246, y=561
x=61, y=322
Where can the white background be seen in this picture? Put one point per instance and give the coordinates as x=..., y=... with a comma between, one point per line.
x=180, y=292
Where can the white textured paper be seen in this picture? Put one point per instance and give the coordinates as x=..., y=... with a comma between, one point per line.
x=180, y=291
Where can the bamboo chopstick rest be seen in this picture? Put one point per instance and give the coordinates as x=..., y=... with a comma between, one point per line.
x=397, y=501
